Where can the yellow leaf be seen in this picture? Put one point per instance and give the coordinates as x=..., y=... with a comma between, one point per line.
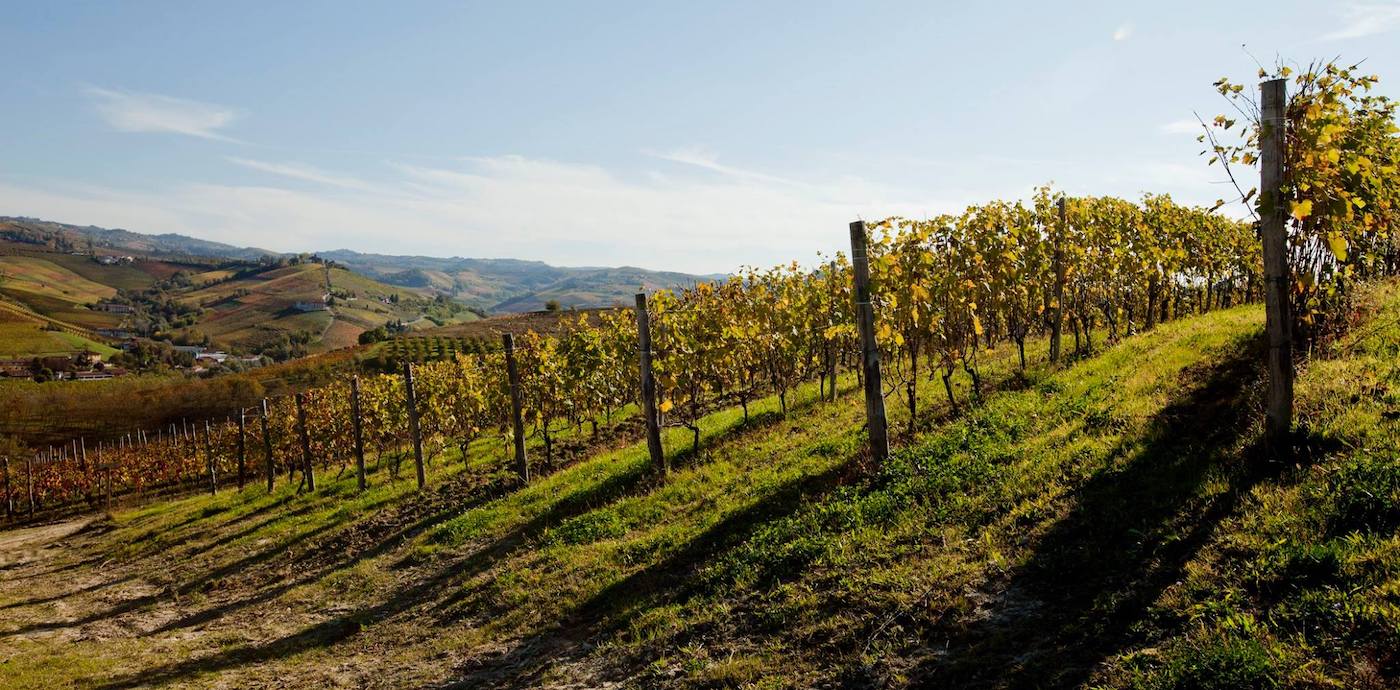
x=666, y=406
x=1300, y=209
x=1338, y=245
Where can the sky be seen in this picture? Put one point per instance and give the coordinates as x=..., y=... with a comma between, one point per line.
x=670, y=135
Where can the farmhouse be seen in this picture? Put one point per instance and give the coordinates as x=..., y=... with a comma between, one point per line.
x=16, y=368
x=114, y=308
x=312, y=305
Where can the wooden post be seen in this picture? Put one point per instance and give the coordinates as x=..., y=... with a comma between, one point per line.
x=209, y=460
x=29, y=480
x=1058, y=265
x=305, y=443
x=648, y=381
x=870, y=350
x=830, y=349
x=517, y=417
x=106, y=475
x=81, y=444
x=267, y=443
x=358, y=429
x=1278, y=313
x=9, y=498
x=413, y=424
x=242, y=448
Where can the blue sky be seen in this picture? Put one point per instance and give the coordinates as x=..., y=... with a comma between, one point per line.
x=687, y=136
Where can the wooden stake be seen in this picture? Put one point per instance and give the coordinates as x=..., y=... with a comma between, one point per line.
x=9, y=499
x=413, y=424
x=29, y=480
x=209, y=460
x=1058, y=317
x=355, y=425
x=242, y=448
x=648, y=382
x=870, y=350
x=305, y=443
x=1278, y=314
x=267, y=444
x=517, y=417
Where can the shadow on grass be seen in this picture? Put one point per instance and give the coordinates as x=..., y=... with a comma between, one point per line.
x=1085, y=593
x=659, y=584
x=429, y=590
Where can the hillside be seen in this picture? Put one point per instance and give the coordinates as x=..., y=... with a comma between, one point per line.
x=494, y=285
x=252, y=307
x=1105, y=524
x=511, y=285
x=234, y=303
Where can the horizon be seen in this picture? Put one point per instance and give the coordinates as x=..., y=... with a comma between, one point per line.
x=693, y=140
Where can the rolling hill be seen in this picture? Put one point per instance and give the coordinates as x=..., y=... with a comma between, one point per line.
x=51, y=285
x=491, y=285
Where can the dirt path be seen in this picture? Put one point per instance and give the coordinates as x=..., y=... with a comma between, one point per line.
x=27, y=547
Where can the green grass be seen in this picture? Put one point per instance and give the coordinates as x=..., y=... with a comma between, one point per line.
x=1107, y=524
x=28, y=339
x=48, y=279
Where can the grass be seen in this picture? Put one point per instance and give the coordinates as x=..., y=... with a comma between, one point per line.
x=1107, y=524
x=47, y=279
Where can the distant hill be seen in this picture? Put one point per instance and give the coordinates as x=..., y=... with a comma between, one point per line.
x=489, y=285
x=513, y=285
x=67, y=290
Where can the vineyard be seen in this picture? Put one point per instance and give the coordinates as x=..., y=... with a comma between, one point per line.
x=1077, y=485
x=944, y=290
x=941, y=290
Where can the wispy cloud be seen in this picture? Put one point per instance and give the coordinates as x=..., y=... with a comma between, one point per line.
x=1366, y=19
x=1182, y=126
x=701, y=158
x=304, y=173
x=130, y=111
x=503, y=206
x=1123, y=32
x=702, y=216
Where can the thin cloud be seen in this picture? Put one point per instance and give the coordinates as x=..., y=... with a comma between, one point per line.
x=303, y=173
x=504, y=206
x=1366, y=19
x=1182, y=126
x=130, y=111
x=1123, y=32
x=703, y=159
x=572, y=213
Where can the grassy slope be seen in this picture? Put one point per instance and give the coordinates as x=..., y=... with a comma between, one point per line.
x=1105, y=524
x=24, y=336
x=271, y=294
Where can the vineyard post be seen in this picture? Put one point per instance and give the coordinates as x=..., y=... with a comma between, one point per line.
x=305, y=443
x=1278, y=317
x=522, y=464
x=81, y=443
x=242, y=448
x=870, y=350
x=29, y=481
x=830, y=346
x=106, y=475
x=359, y=431
x=413, y=428
x=9, y=500
x=267, y=443
x=1059, y=268
x=209, y=459
x=648, y=382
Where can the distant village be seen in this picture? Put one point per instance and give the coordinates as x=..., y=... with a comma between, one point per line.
x=89, y=366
